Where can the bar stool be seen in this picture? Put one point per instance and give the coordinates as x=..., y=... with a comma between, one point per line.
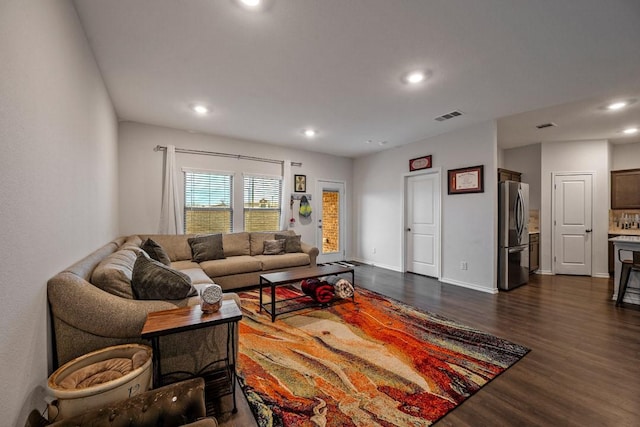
x=628, y=265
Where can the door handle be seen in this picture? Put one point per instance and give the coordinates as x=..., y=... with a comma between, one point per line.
x=408, y=229
x=588, y=230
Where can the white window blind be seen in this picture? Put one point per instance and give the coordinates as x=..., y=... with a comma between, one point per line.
x=208, y=206
x=262, y=197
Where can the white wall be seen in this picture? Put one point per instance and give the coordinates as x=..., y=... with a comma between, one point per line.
x=579, y=156
x=141, y=169
x=468, y=220
x=625, y=156
x=58, y=171
x=526, y=160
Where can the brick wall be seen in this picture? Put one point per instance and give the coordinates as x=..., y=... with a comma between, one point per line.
x=330, y=221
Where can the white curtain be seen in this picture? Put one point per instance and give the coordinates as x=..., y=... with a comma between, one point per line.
x=170, y=212
x=287, y=188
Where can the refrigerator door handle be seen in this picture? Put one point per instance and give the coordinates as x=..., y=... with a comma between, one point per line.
x=519, y=215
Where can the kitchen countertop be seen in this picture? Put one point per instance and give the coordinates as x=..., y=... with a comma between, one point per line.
x=625, y=239
x=625, y=232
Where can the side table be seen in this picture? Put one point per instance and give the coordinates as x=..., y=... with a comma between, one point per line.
x=219, y=382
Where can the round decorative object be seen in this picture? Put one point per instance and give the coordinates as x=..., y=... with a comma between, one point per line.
x=211, y=298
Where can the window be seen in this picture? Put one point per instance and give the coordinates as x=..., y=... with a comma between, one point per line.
x=262, y=203
x=207, y=202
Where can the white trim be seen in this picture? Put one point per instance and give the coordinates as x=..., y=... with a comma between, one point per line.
x=207, y=171
x=261, y=175
x=403, y=255
x=469, y=286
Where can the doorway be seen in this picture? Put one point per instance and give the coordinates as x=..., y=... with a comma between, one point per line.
x=331, y=219
x=422, y=224
x=572, y=223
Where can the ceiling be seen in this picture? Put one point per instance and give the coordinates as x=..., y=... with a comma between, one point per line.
x=337, y=66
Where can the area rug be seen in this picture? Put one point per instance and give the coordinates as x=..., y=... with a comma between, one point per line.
x=375, y=362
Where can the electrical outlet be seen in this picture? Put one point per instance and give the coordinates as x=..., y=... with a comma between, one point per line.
x=463, y=265
x=374, y=250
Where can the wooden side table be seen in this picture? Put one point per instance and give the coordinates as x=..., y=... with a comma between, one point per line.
x=219, y=382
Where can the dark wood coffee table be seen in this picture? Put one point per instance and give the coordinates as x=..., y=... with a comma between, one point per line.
x=218, y=382
x=273, y=280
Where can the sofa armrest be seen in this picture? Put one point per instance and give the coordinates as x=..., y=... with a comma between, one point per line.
x=90, y=309
x=312, y=251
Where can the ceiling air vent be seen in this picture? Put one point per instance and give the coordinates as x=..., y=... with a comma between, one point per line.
x=546, y=125
x=448, y=116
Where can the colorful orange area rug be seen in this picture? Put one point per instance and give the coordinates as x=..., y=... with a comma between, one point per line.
x=375, y=362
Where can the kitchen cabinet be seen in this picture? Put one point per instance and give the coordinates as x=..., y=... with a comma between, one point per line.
x=534, y=252
x=625, y=189
x=507, y=175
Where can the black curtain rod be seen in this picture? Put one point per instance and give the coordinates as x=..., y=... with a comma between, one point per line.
x=232, y=156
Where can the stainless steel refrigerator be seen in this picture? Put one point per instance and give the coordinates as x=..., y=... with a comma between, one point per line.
x=513, y=234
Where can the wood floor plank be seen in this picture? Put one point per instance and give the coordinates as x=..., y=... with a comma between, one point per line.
x=584, y=364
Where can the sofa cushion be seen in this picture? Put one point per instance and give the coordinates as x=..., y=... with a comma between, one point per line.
x=197, y=276
x=235, y=244
x=184, y=265
x=257, y=239
x=231, y=265
x=155, y=251
x=152, y=280
x=175, y=245
x=270, y=262
x=113, y=273
x=273, y=247
x=292, y=243
x=205, y=248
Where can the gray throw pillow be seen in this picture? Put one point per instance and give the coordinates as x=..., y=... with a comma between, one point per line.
x=273, y=247
x=292, y=242
x=205, y=248
x=152, y=280
x=155, y=251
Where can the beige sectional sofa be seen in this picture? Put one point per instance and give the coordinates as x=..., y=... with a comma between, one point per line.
x=86, y=317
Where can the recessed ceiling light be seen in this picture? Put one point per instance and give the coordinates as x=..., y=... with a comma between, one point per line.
x=200, y=109
x=250, y=4
x=630, y=131
x=415, y=77
x=616, y=106
x=310, y=133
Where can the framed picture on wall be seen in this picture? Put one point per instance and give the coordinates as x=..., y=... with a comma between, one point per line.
x=418, y=163
x=300, y=183
x=466, y=180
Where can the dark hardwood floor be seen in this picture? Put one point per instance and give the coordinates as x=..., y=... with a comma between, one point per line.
x=584, y=364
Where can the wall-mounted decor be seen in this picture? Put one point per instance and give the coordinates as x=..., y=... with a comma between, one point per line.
x=418, y=163
x=466, y=180
x=300, y=183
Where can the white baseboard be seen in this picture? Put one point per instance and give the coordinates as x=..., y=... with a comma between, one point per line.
x=545, y=272
x=601, y=275
x=375, y=264
x=469, y=285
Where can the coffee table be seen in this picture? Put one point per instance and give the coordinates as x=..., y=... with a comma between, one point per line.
x=218, y=382
x=273, y=280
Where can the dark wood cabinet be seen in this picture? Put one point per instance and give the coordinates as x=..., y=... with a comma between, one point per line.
x=534, y=252
x=625, y=189
x=507, y=175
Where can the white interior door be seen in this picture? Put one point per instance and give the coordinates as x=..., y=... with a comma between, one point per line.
x=422, y=230
x=572, y=221
x=331, y=219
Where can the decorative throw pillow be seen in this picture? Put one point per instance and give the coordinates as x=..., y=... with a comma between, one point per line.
x=154, y=280
x=155, y=251
x=273, y=247
x=205, y=248
x=292, y=242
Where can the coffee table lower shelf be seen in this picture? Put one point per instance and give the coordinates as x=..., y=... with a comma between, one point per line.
x=276, y=307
